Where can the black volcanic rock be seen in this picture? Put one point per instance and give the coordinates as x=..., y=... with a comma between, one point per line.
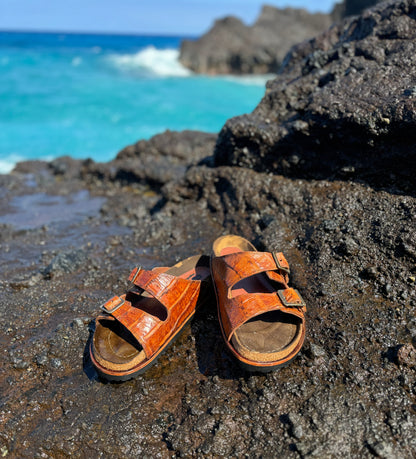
x=187, y=146
x=235, y=48
x=158, y=160
x=342, y=106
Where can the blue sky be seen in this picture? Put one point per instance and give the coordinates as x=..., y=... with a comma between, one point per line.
x=177, y=17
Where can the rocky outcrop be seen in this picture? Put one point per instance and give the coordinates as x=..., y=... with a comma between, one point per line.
x=342, y=106
x=290, y=178
x=232, y=47
x=154, y=162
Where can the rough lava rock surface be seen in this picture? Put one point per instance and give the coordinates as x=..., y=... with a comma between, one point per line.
x=163, y=158
x=343, y=105
x=230, y=46
x=347, y=230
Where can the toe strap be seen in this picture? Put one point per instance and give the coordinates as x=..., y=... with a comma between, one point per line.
x=137, y=322
x=245, y=307
x=172, y=301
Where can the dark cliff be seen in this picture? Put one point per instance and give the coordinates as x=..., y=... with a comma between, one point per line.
x=233, y=47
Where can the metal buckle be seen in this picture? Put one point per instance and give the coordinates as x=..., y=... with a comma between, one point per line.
x=276, y=260
x=287, y=303
x=139, y=268
x=114, y=308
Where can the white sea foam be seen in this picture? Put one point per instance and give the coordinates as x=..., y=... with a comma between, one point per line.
x=7, y=164
x=160, y=62
x=165, y=63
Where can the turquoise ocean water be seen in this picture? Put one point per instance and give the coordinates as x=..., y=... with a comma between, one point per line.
x=90, y=95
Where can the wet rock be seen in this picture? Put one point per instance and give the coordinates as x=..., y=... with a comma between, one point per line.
x=214, y=407
x=233, y=47
x=65, y=262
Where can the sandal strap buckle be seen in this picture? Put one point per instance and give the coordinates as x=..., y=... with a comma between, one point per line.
x=291, y=298
x=112, y=305
x=135, y=273
x=279, y=263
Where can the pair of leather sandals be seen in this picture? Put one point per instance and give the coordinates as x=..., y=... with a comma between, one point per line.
x=262, y=319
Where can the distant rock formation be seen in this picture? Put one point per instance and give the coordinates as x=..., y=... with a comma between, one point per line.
x=231, y=47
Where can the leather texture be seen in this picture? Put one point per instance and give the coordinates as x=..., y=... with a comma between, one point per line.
x=236, y=305
x=178, y=298
x=138, y=326
x=229, y=269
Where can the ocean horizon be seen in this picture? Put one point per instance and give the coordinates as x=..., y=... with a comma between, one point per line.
x=88, y=95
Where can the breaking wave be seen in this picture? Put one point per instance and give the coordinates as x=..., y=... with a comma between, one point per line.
x=7, y=164
x=165, y=63
x=159, y=62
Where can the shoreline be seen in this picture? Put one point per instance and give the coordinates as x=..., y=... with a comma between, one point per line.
x=113, y=81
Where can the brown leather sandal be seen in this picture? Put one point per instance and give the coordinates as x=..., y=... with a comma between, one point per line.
x=263, y=328
x=138, y=326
